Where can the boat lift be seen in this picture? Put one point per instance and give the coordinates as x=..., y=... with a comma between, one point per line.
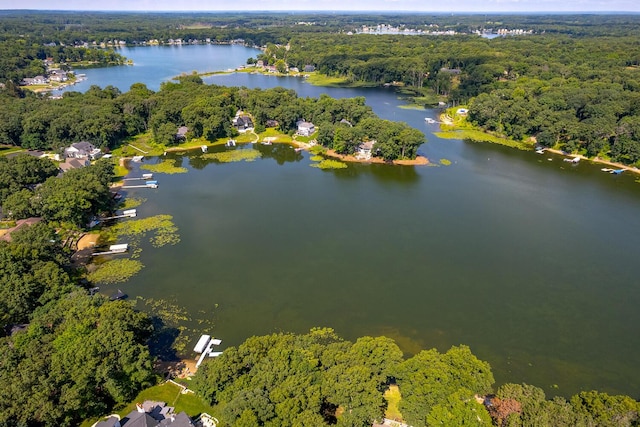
x=114, y=249
x=204, y=346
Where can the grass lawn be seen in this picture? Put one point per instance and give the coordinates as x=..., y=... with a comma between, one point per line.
x=318, y=79
x=462, y=129
x=8, y=149
x=171, y=395
x=144, y=146
x=392, y=395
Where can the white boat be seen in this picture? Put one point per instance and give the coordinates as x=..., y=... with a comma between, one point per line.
x=429, y=120
x=540, y=151
x=231, y=143
x=266, y=143
x=204, y=148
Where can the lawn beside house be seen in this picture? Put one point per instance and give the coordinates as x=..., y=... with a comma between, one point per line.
x=169, y=393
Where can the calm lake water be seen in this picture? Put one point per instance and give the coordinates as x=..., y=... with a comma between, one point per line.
x=529, y=261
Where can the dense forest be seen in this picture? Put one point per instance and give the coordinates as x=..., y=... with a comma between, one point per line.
x=320, y=379
x=64, y=355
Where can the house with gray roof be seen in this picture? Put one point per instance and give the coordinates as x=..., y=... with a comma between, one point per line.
x=149, y=414
x=82, y=150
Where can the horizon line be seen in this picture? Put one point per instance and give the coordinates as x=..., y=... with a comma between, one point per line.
x=397, y=12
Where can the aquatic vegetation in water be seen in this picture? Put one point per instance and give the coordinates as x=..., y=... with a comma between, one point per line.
x=132, y=202
x=170, y=324
x=317, y=149
x=166, y=232
x=166, y=166
x=329, y=164
x=233, y=156
x=445, y=162
x=316, y=158
x=115, y=271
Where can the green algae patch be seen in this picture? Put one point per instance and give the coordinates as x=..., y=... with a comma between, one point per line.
x=316, y=158
x=165, y=231
x=329, y=164
x=233, y=156
x=317, y=149
x=480, y=136
x=132, y=202
x=166, y=166
x=445, y=162
x=115, y=271
x=171, y=322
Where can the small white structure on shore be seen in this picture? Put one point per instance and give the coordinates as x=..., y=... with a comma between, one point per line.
x=572, y=160
x=204, y=346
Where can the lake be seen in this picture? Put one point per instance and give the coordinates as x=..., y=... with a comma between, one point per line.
x=531, y=262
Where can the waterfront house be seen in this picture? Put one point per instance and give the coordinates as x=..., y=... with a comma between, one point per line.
x=73, y=163
x=149, y=414
x=181, y=135
x=365, y=149
x=242, y=122
x=82, y=150
x=305, y=128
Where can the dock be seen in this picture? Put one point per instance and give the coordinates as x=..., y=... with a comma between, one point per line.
x=148, y=184
x=114, y=249
x=129, y=213
x=204, y=346
x=145, y=176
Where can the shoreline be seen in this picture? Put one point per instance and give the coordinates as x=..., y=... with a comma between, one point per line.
x=598, y=160
x=448, y=121
x=418, y=161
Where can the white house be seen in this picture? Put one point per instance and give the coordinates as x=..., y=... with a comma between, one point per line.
x=365, y=149
x=306, y=128
x=82, y=150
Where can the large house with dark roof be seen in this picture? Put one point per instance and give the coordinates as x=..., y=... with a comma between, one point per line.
x=149, y=414
x=82, y=150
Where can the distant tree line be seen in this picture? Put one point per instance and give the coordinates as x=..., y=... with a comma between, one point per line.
x=20, y=58
x=578, y=94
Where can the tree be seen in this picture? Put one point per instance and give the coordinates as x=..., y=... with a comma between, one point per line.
x=281, y=66
x=459, y=409
x=77, y=195
x=429, y=378
x=79, y=356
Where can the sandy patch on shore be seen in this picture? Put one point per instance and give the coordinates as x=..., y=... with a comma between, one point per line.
x=87, y=241
x=181, y=368
x=418, y=161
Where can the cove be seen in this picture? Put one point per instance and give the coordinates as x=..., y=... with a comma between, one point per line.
x=530, y=262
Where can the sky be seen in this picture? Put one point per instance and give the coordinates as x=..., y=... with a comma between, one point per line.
x=333, y=5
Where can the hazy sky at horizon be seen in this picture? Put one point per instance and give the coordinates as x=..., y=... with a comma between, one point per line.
x=333, y=5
